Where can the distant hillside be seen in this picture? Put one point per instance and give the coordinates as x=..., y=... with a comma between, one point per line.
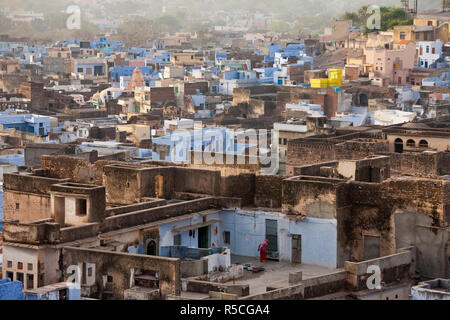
x=289, y=7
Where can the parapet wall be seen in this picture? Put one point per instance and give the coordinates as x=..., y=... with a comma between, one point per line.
x=394, y=268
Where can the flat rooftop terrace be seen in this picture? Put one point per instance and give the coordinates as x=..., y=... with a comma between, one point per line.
x=276, y=274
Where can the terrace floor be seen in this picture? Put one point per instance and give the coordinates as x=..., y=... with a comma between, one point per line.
x=276, y=274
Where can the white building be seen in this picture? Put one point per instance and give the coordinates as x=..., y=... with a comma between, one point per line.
x=428, y=53
x=390, y=117
x=237, y=79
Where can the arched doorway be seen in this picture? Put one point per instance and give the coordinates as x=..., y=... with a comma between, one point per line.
x=398, y=145
x=151, y=248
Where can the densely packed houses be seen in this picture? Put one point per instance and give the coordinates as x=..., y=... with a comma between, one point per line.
x=158, y=172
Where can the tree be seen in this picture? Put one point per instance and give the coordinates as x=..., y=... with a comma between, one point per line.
x=168, y=24
x=278, y=26
x=136, y=32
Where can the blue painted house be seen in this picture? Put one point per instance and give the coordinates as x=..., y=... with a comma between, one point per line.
x=31, y=123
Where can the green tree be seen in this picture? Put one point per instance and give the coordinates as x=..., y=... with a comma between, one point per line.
x=136, y=32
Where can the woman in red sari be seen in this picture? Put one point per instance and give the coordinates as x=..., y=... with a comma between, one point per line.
x=263, y=250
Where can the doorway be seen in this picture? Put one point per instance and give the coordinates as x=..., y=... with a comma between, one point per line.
x=151, y=248
x=204, y=236
x=398, y=145
x=159, y=186
x=272, y=236
x=297, y=248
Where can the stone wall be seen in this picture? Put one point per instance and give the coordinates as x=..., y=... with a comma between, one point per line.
x=367, y=209
x=76, y=169
x=119, y=267
x=310, y=197
x=307, y=151
x=239, y=186
x=26, y=196
x=423, y=164
x=268, y=191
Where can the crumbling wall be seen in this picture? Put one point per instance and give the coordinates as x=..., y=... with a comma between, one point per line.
x=307, y=151
x=268, y=191
x=151, y=177
x=239, y=186
x=26, y=197
x=197, y=181
x=310, y=197
x=76, y=169
x=316, y=169
x=367, y=209
x=119, y=266
x=424, y=164
x=122, y=184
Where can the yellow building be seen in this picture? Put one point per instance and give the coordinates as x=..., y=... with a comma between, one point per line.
x=334, y=80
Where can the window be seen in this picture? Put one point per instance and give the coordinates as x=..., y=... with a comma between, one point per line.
x=80, y=69
x=9, y=264
x=10, y=275
x=428, y=49
x=423, y=144
x=81, y=207
x=17, y=206
x=20, y=265
x=90, y=272
x=30, y=267
x=30, y=281
x=227, y=237
x=417, y=36
x=177, y=240
x=402, y=35
x=411, y=143
x=433, y=50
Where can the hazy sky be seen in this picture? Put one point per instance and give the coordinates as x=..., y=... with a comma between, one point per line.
x=288, y=6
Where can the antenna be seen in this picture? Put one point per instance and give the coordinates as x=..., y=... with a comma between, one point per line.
x=412, y=10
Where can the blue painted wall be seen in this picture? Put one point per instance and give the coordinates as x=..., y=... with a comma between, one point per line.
x=11, y=290
x=248, y=230
x=189, y=239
